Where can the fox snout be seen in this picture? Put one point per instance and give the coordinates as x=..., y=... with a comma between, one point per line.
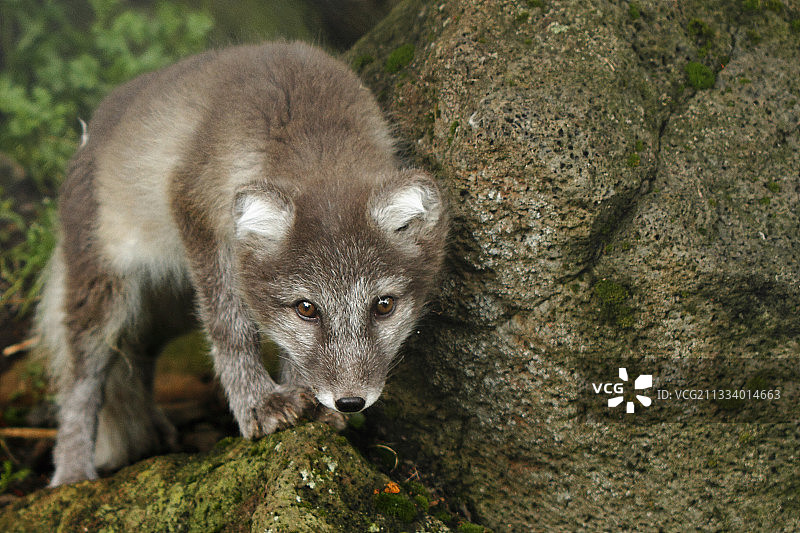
x=352, y=402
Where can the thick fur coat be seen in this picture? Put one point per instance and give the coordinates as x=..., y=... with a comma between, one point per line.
x=254, y=189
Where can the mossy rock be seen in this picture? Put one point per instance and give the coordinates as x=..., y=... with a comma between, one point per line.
x=302, y=479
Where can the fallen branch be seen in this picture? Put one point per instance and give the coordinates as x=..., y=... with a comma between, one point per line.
x=27, y=433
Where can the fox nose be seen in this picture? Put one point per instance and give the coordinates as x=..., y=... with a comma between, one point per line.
x=350, y=404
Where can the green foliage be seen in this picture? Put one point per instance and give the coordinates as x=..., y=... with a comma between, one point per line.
x=9, y=476
x=56, y=71
x=21, y=264
x=58, y=61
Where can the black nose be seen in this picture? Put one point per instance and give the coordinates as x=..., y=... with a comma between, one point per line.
x=351, y=404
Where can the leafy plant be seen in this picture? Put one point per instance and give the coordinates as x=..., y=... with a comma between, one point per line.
x=9, y=476
x=56, y=64
x=57, y=72
x=21, y=264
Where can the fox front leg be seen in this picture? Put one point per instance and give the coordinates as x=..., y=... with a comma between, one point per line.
x=259, y=404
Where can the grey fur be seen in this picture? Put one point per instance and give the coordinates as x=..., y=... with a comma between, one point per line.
x=248, y=179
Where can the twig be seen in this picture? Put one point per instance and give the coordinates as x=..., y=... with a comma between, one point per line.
x=8, y=351
x=27, y=433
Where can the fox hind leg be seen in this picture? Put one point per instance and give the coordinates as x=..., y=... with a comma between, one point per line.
x=91, y=326
x=75, y=331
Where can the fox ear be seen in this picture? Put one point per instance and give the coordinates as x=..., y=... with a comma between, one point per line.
x=408, y=209
x=264, y=213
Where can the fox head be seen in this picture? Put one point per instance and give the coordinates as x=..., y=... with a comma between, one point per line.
x=338, y=279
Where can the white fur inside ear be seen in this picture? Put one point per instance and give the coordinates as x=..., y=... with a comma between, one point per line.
x=263, y=217
x=405, y=205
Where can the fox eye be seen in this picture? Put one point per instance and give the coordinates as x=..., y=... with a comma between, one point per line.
x=306, y=310
x=384, y=306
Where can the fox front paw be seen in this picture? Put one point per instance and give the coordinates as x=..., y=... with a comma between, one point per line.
x=333, y=418
x=281, y=408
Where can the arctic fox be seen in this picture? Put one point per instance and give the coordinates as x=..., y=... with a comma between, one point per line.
x=255, y=188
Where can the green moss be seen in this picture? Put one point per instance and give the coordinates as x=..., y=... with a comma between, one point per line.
x=421, y=501
x=795, y=25
x=754, y=37
x=702, y=34
x=773, y=187
x=610, y=293
x=523, y=16
x=316, y=484
x=452, y=133
x=699, y=29
x=415, y=487
x=399, y=58
x=764, y=201
x=397, y=506
x=613, y=306
x=535, y=3
x=699, y=75
x=774, y=5
x=633, y=160
x=758, y=381
x=751, y=6
x=469, y=527
x=634, y=11
x=639, y=146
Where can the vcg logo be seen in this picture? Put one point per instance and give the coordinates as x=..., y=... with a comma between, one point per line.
x=644, y=381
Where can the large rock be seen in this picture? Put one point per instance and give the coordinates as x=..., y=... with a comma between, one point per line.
x=624, y=182
x=306, y=479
